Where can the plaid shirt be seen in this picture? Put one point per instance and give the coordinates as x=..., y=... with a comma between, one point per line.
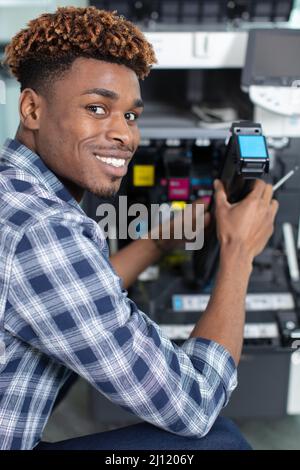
x=63, y=309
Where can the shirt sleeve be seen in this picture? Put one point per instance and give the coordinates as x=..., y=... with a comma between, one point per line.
x=65, y=300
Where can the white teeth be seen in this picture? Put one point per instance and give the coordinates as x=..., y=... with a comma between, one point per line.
x=116, y=162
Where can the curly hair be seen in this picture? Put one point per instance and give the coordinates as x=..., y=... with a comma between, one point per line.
x=46, y=49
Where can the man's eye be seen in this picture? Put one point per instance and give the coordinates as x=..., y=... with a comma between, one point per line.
x=131, y=116
x=96, y=109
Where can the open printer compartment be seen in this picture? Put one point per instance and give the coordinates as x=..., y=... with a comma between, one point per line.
x=184, y=130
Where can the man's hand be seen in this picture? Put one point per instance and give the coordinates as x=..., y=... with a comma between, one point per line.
x=184, y=222
x=146, y=251
x=243, y=230
x=246, y=225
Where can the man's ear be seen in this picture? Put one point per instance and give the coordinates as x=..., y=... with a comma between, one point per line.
x=30, y=109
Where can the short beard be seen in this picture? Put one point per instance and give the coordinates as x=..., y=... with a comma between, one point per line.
x=106, y=193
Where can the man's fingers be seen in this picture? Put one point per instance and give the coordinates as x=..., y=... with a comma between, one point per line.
x=268, y=193
x=202, y=201
x=274, y=207
x=220, y=195
x=207, y=219
x=258, y=189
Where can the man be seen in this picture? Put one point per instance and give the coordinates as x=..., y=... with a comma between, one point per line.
x=63, y=306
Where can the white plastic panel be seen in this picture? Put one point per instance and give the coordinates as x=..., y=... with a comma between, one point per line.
x=293, y=403
x=203, y=49
x=254, y=302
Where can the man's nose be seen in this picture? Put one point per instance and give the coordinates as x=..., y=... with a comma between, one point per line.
x=120, y=131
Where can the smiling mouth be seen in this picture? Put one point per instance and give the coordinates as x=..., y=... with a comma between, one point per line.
x=112, y=161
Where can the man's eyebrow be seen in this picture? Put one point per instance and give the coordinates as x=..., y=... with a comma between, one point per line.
x=138, y=103
x=102, y=92
x=112, y=95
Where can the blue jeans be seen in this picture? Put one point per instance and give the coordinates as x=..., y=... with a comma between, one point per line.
x=224, y=435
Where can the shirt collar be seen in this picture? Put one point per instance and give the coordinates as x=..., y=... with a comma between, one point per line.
x=18, y=155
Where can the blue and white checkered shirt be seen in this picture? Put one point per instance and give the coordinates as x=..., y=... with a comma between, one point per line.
x=63, y=309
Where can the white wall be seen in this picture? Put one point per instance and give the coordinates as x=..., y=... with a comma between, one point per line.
x=14, y=15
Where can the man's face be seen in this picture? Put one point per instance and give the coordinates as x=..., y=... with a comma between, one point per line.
x=88, y=128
